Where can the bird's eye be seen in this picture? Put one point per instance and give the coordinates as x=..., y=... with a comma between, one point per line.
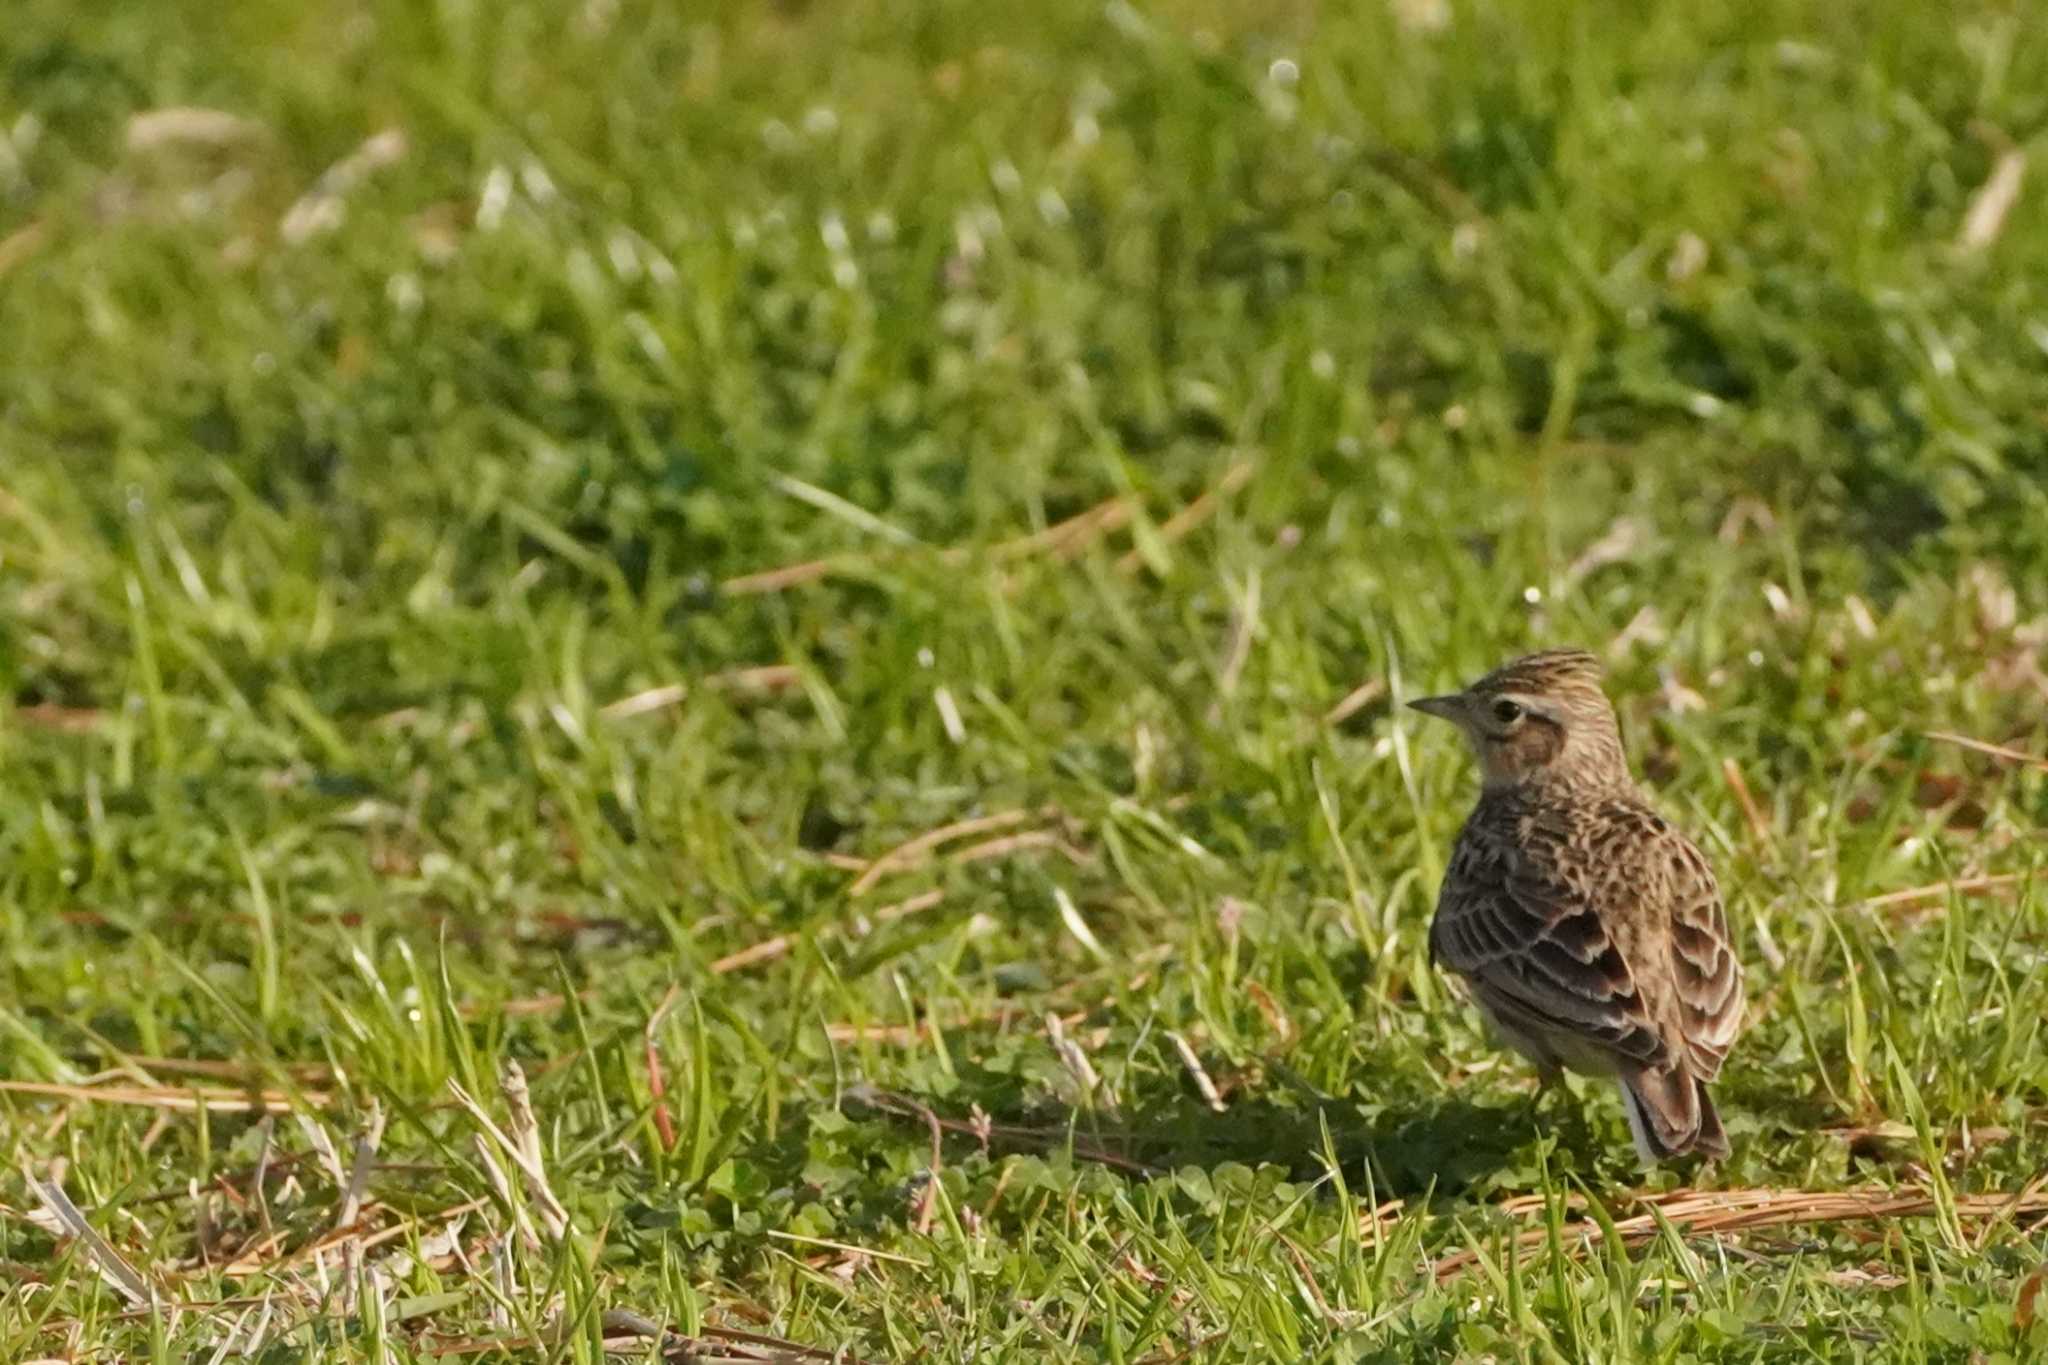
x=1507, y=712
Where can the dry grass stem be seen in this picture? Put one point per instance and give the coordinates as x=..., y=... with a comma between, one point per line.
x=1934, y=891
x=1194, y=514
x=359, y=1169
x=915, y=851
x=640, y=703
x=122, y=1277
x=1356, y=700
x=521, y=1146
x=1993, y=201
x=2010, y=755
x=1013, y=843
x=1065, y=539
x=1244, y=625
x=1196, y=1071
x=528, y=1155
x=776, y=580
x=761, y=678
x=1752, y=814
x=767, y=950
x=321, y=209
x=1727, y=1212
x=1008, y=1133
x=189, y=126
x=1075, y=1059
x=187, y=1101
x=779, y=946
x=657, y=1079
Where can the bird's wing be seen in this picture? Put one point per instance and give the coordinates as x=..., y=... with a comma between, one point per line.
x=1705, y=975
x=1536, y=946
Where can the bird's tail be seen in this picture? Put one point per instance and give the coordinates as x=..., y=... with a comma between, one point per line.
x=1670, y=1114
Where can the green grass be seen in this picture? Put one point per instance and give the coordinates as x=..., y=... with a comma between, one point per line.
x=322, y=561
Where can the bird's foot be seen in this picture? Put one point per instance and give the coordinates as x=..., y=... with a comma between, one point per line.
x=1547, y=1082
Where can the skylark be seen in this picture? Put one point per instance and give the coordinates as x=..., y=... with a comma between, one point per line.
x=1589, y=930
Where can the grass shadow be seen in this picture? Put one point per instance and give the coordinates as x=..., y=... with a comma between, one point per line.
x=1398, y=1149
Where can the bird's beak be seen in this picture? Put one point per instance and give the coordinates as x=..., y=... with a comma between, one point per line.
x=1448, y=708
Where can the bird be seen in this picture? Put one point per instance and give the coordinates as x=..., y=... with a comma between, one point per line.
x=1589, y=930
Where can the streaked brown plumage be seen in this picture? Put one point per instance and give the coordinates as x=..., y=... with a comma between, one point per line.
x=1589, y=930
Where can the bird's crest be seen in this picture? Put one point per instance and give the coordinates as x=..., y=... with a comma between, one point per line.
x=1548, y=670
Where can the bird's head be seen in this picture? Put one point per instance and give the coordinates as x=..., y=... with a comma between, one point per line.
x=1538, y=720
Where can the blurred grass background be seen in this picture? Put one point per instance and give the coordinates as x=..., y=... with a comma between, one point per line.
x=506, y=510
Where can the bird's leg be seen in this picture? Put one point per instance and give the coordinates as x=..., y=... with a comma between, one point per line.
x=1548, y=1079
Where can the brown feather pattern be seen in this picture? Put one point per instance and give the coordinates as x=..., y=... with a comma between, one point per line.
x=1590, y=930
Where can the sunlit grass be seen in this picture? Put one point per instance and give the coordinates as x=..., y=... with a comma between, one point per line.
x=832, y=582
